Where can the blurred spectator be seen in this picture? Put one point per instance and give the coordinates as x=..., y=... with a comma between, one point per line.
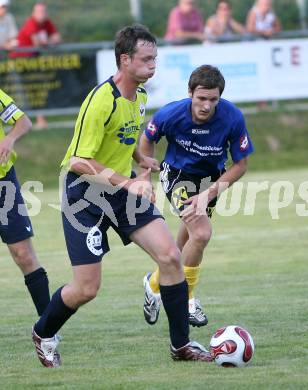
x=8, y=29
x=261, y=19
x=185, y=23
x=37, y=31
x=222, y=23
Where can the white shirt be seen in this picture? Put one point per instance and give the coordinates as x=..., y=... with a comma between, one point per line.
x=264, y=22
x=8, y=29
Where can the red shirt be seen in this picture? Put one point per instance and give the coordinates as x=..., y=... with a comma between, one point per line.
x=32, y=27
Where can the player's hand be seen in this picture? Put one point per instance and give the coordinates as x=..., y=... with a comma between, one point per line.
x=196, y=207
x=149, y=162
x=6, y=148
x=142, y=186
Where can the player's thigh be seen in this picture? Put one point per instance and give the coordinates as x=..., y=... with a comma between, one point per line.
x=156, y=239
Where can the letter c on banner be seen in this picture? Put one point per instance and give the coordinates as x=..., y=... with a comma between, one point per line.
x=275, y=56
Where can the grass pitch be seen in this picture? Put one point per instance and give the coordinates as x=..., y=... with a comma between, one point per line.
x=254, y=274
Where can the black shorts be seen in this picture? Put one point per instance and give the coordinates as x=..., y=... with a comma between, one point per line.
x=179, y=186
x=90, y=209
x=15, y=225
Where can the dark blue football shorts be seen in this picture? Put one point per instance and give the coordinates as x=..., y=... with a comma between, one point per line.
x=15, y=225
x=179, y=186
x=90, y=209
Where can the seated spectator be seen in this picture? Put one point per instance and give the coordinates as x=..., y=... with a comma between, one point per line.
x=37, y=31
x=262, y=21
x=185, y=23
x=222, y=23
x=8, y=29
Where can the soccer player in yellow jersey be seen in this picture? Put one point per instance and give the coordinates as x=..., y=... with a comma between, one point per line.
x=99, y=193
x=15, y=225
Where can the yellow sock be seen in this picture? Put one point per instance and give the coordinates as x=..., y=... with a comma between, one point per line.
x=192, y=278
x=154, y=281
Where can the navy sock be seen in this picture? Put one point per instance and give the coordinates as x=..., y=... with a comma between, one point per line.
x=175, y=300
x=54, y=317
x=37, y=284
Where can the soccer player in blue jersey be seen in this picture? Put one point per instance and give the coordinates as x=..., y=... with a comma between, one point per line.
x=200, y=131
x=99, y=160
x=15, y=225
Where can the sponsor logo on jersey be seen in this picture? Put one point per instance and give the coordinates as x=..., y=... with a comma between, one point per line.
x=200, y=131
x=127, y=134
x=244, y=143
x=8, y=112
x=94, y=241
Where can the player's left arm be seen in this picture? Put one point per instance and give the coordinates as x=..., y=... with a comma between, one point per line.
x=241, y=147
x=198, y=203
x=19, y=129
x=232, y=174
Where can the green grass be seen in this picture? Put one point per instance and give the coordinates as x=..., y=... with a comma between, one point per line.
x=254, y=274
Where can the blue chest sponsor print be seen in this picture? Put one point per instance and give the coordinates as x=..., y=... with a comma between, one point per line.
x=126, y=133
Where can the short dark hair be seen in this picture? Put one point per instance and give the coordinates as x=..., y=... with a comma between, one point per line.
x=126, y=40
x=208, y=77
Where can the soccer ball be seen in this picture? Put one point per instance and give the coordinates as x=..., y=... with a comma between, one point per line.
x=232, y=346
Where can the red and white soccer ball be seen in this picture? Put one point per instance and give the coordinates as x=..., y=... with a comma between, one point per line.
x=232, y=346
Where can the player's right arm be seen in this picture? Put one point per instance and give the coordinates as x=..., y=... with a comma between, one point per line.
x=97, y=172
x=146, y=146
x=145, y=161
x=152, y=134
x=88, y=138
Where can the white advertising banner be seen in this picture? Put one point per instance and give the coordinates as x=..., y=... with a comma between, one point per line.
x=254, y=71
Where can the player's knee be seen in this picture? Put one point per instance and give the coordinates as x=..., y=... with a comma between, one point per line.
x=24, y=257
x=170, y=258
x=88, y=293
x=201, y=237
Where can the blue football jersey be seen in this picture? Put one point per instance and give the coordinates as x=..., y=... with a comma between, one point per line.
x=200, y=149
